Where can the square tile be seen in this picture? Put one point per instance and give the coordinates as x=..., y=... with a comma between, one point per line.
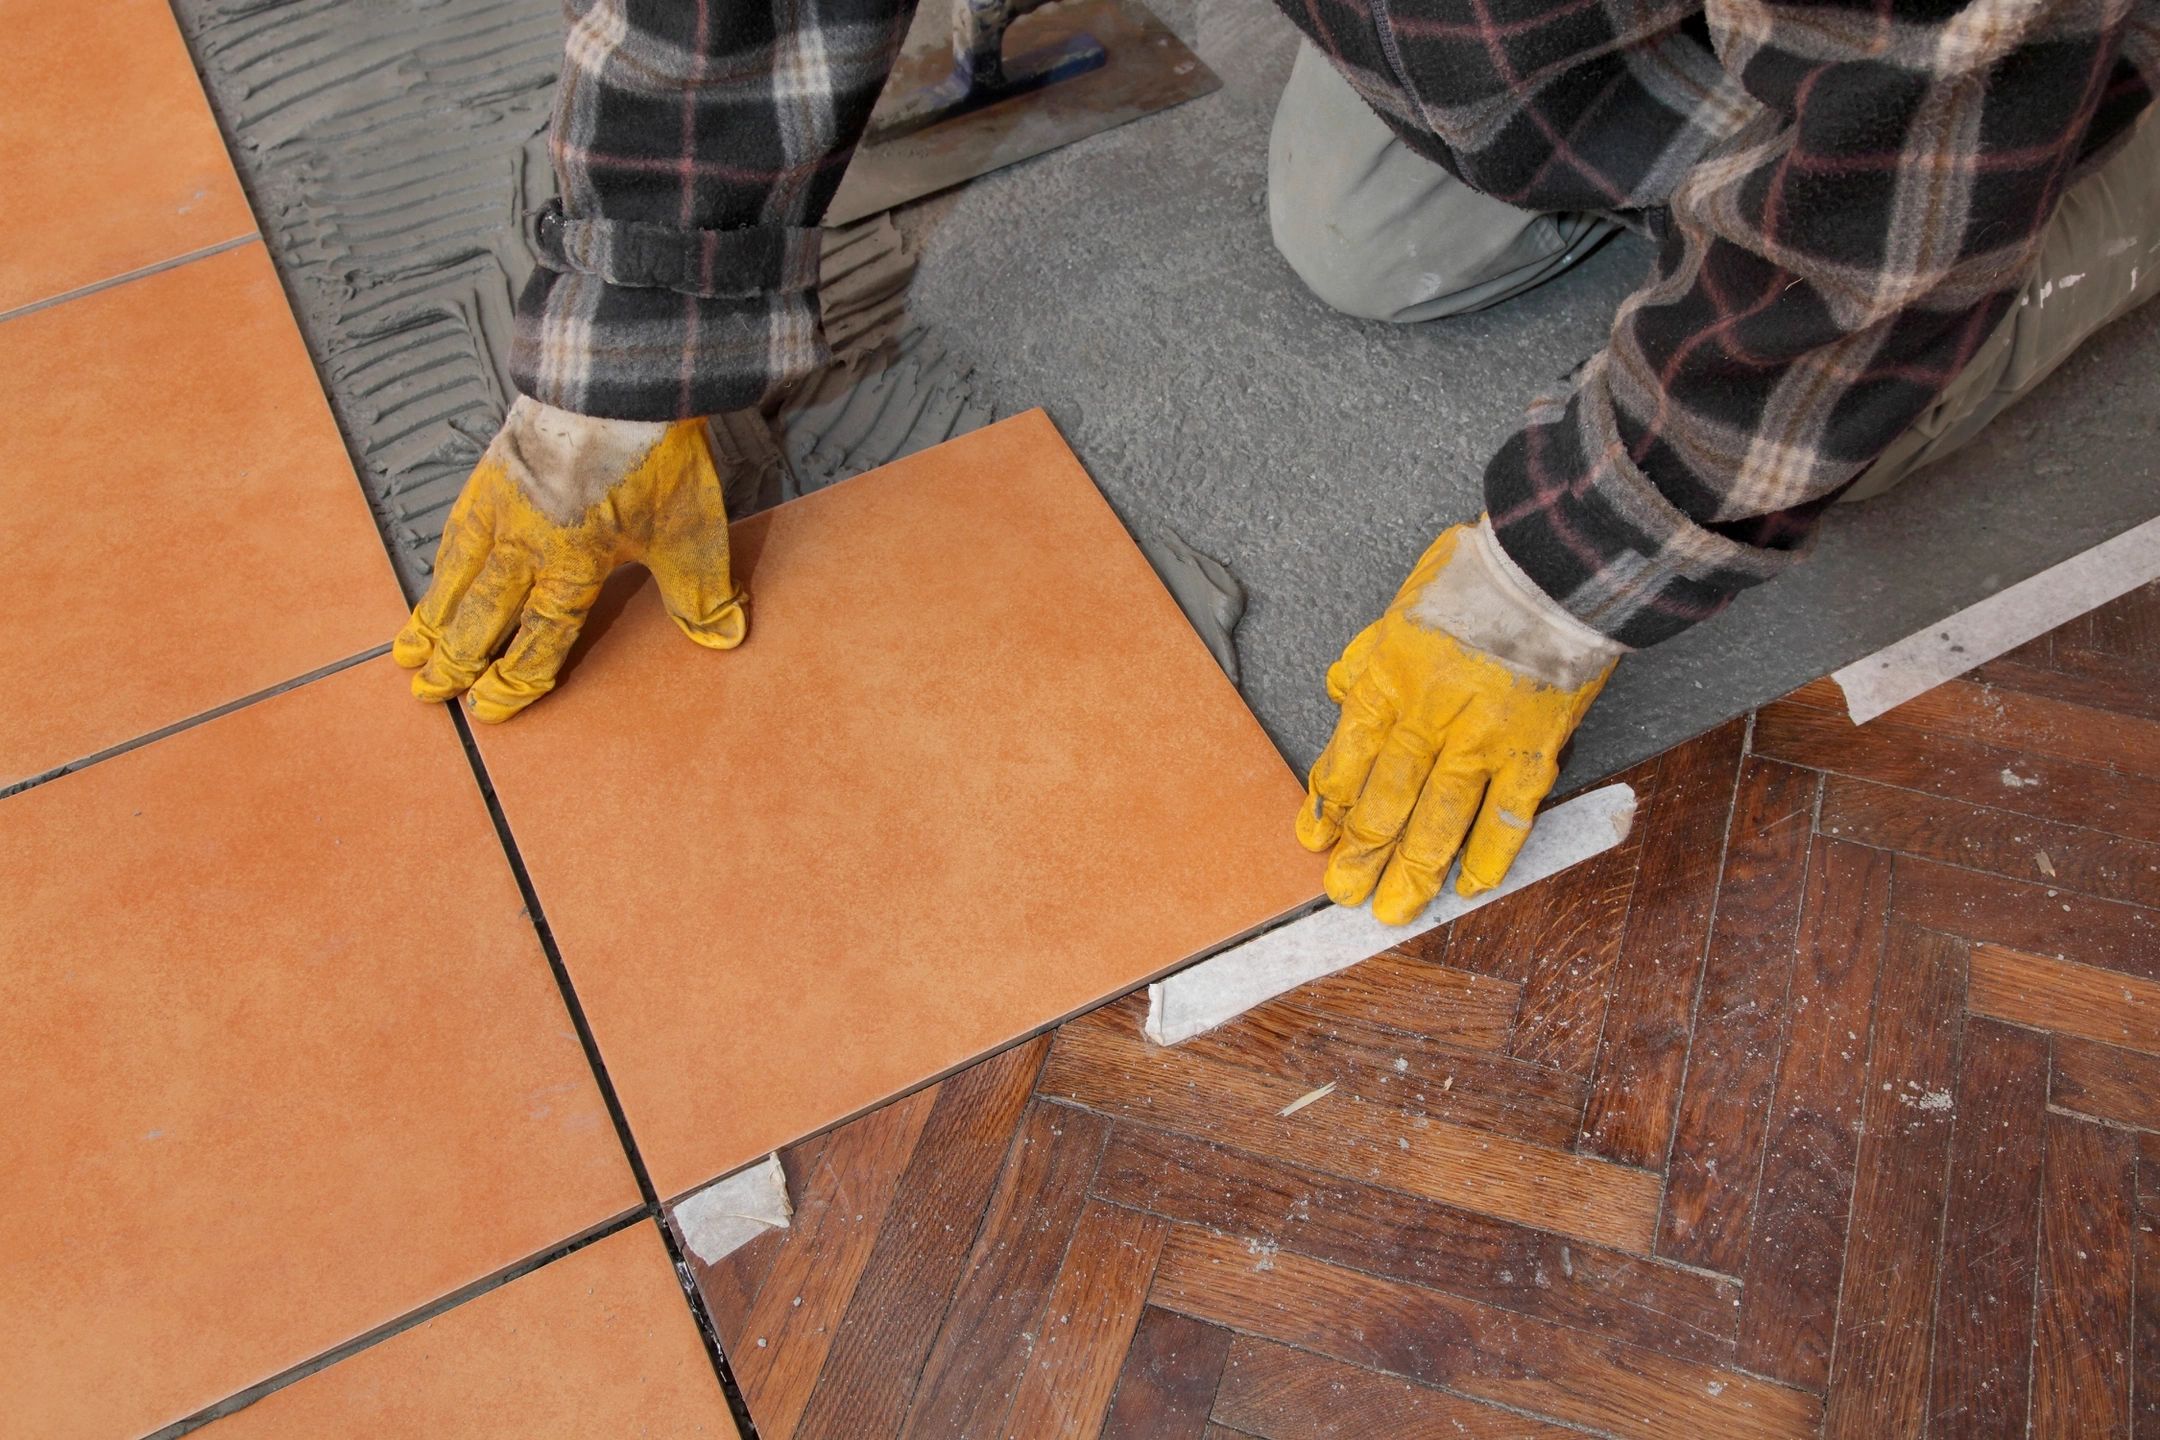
x=109, y=155
x=971, y=772
x=598, y=1343
x=284, y=1058
x=180, y=525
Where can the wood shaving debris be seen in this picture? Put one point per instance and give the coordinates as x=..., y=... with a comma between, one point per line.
x=1308, y=1098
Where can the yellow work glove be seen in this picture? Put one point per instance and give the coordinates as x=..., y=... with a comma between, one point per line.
x=1455, y=704
x=556, y=503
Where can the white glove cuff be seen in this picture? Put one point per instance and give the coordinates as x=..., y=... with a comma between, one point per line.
x=565, y=462
x=1483, y=599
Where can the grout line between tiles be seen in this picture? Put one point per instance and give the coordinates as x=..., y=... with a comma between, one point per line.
x=29, y=782
x=707, y=1331
x=402, y=1323
x=121, y=279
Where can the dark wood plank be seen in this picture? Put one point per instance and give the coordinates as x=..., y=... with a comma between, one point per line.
x=2125, y=632
x=2062, y=857
x=1514, y=937
x=1166, y=1389
x=1549, y=1370
x=2032, y=724
x=2081, y=1352
x=1560, y=940
x=974, y=1368
x=2122, y=690
x=1569, y=982
x=1981, y=1381
x=1993, y=776
x=2039, y=919
x=1088, y=1325
x=1732, y=1065
x=2108, y=1083
x=2145, y=1351
x=840, y=1206
x=2038, y=652
x=2061, y=995
x=1278, y=1393
x=1805, y=1195
x=1371, y=1065
x=1273, y=1206
x=1101, y=1061
x=1636, y=1091
x=1885, y=1313
x=1417, y=997
x=877, y=1351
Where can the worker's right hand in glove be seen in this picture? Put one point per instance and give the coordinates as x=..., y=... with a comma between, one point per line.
x=1455, y=705
x=556, y=503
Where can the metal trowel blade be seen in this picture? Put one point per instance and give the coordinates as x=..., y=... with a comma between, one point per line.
x=1148, y=69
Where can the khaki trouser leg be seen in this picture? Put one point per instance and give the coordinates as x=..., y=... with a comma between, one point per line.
x=2099, y=260
x=1380, y=232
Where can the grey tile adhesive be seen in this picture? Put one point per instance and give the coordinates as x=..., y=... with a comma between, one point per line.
x=1128, y=283
x=392, y=149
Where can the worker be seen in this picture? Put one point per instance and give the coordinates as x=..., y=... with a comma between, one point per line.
x=1875, y=227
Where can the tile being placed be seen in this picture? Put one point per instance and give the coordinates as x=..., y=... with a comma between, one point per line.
x=179, y=522
x=109, y=157
x=972, y=772
x=597, y=1343
x=284, y=1058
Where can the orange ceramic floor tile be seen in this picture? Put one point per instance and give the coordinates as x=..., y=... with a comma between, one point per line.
x=109, y=157
x=284, y=1059
x=971, y=772
x=599, y=1343
x=180, y=525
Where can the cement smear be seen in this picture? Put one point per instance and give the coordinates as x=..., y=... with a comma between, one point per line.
x=1204, y=589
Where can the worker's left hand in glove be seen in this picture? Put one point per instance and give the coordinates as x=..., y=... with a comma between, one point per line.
x=556, y=503
x=1455, y=705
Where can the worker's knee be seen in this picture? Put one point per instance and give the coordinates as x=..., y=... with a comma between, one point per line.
x=1379, y=231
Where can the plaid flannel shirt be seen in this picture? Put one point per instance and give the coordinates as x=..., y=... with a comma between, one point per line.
x=1847, y=197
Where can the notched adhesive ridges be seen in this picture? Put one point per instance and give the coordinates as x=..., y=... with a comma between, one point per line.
x=392, y=150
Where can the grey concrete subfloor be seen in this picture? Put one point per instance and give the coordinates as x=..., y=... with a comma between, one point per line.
x=1128, y=284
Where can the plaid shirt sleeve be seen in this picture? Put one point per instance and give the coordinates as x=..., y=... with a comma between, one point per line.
x=1828, y=268
x=1849, y=198
x=696, y=144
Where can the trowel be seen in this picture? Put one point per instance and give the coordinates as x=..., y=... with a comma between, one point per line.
x=1016, y=78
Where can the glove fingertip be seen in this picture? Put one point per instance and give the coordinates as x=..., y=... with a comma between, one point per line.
x=1317, y=830
x=724, y=631
x=1350, y=879
x=491, y=712
x=410, y=650
x=430, y=691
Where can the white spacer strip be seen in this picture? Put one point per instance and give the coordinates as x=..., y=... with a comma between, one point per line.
x=2002, y=622
x=1223, y=987
x=731, y=1212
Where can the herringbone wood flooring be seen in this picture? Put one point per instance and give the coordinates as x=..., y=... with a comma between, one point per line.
x=1826, y=1105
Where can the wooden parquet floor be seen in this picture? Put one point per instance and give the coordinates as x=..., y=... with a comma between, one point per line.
x=1827, y=1105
